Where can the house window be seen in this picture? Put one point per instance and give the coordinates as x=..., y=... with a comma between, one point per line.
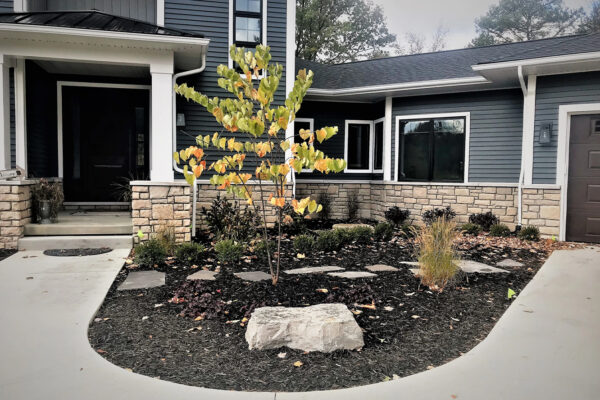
x=432, y=149
x=358, y=151
x=302, y=123
x=378, y=146
x=247, y=17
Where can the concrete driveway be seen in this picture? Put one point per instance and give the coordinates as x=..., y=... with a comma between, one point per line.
x=544, y=347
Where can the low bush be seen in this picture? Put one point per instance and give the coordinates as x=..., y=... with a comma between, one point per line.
x=190, y=253
x=485, y=220
x=437, y=254
x=430, y=216
x=396, y=215
x=353, y=206
x=344, y=236
x=361, y=234
x=529, y=233
x=260, y=248
x=499, y=230
x=293, y=223
x=328, y=240
x=227, y=220
x=229, y=251
x=324, y=200
x=166, y=236
x=471, y=229
x=304, y=243
x=383, y=231
x=150, y=253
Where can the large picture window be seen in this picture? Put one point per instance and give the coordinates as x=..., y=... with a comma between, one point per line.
x=247, y=18
x=431, y=149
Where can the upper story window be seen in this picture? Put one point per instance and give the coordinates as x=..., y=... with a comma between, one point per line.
x=247, y=17
x=432, y=149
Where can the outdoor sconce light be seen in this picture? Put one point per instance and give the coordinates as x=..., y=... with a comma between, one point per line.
x=180, y=119
x=545, y=133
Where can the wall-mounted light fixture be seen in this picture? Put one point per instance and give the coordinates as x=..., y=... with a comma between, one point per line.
x=545, y=133
x=180, y=120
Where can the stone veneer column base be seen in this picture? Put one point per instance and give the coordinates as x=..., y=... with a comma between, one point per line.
x=15, y=211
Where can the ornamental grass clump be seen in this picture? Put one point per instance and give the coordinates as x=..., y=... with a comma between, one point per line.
x=531, y=233
x=229, y=251
x=150, y=253
x=437, y=253
x=383, y=232
x=499, y=230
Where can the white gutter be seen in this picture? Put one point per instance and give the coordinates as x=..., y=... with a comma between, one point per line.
x=564, y=59
x=174, y=135
x=522, y=172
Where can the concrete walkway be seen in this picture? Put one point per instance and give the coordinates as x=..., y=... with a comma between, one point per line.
x=544, y=347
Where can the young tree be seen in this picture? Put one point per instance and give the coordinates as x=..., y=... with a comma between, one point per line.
x=256, y=126
x=336, y=31
x=591, y=22
x=519, y=20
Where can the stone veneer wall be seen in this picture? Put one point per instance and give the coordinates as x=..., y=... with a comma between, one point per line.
x=15, y=211
x=541, y=208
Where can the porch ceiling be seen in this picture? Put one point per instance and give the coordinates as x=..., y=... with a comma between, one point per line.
x=93, y=69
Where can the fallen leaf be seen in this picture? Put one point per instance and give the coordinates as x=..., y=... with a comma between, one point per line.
x=282, y=355
x=145, y=317
x=200, y=318
x=323, y=291
x=388, y=308
x=430, y=367
x=128, y=370
x=101, y=351
x=158, y=305
x=128, y=261
x=369, y=306
x=300, y=255
x=196, y=328
x=298, y=364
x=356, y=312
x=415, y=317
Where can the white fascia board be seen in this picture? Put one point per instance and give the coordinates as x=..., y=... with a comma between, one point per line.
x=92, y=33
x=542, y=61
x=431, y=84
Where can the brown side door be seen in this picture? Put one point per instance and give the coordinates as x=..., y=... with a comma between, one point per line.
x=583, y=196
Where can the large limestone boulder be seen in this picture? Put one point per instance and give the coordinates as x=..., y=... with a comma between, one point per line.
x=324, y=327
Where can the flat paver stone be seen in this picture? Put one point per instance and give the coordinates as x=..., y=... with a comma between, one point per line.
x=313, y=270
x=253, y=276
x=203, y=275
x=143, y=280
x=349, y=226
x=381, y=268
x=411, y=263
x=352, y=274
x=509, y=263
x=469, y=266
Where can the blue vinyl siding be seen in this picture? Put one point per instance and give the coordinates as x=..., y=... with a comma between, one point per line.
x=211, y=18
x=6, y=6
x=553, y=91
x=496, y=129
x=336, y=114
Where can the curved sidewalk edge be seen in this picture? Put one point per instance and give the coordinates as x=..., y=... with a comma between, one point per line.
x=544, y=347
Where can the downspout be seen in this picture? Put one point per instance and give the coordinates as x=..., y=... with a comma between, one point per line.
x=174, y=135
x=522, y=173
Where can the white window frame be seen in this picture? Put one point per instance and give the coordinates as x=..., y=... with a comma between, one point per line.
x=232, y=33
x=465, y=115
x=311, y=122
x=377, y=121
x=371, y=145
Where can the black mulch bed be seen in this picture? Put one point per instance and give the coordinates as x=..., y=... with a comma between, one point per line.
x=410, y=330
x=5, y=253
x=77, y=252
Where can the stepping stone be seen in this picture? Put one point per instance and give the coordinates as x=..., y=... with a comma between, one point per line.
x=349, y=226
x=253, y=276
x=381, y=268
x=411, y=263
x=143, y=280
x=352, y=274
x=474, y=266
x=509, y=263
x=203, y=275
x=312, y=270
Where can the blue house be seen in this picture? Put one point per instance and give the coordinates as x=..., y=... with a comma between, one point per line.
x=87, y=97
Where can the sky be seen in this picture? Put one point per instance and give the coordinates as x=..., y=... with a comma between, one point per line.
x=457, y=16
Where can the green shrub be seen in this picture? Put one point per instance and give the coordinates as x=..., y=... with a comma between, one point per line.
x=485, y=220
x=229, y=251
x=499, y=230
x=362, y=234
x=329, y=240
x=325, y=201
x=471, y=229
x=260, y=249
x=150, y=253
x=437, y=254
x=529, y=233
x=396, y=215
x=353, y=206
x=430, y=216
x=304, y=243
x=383, y=231
x=190, y=253
x=344, y=236
x=227, y=220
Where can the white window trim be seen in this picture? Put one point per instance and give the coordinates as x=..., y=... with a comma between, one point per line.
x=466, y=115
x=565, y=112
x=362, y=122
x=59, y=113
x=160, y=12
x=311, y=122
x=232, y=33
x=377, y=121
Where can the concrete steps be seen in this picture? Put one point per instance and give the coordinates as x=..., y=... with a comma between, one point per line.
x=84, y=223
x=76, y=242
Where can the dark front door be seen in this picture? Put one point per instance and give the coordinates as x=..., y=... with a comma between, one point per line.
x=583, y=196
x=105, y=141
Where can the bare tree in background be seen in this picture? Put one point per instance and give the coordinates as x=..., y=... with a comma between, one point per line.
x=415, y=43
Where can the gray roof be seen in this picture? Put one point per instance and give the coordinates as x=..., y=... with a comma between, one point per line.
x=447, y=64
x=93, y=19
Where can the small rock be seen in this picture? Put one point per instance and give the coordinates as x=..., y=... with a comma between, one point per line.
x=143, y=280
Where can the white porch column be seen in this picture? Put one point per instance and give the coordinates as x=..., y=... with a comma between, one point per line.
x=20, y=116
x=4, y=113
x=161, y=123
x=529, y=129
x=387, y=141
